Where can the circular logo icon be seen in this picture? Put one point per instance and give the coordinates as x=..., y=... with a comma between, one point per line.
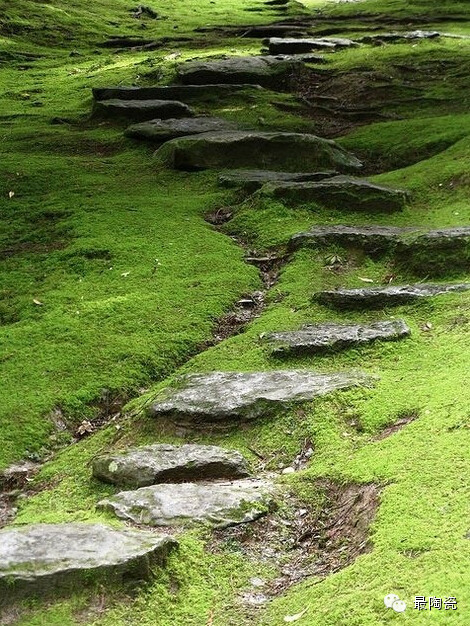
x=390, y=599
x=399, y=606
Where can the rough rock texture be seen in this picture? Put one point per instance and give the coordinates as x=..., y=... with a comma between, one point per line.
x=219, y=504
x=267, y=71
x=219, y=397
x=43, y=556
x=291, y=152
x=141, y=110
x=251, y=180
x=341, y=192
x=311, y=339
x=434, y=251
x=164, y=130
x=406, y=36
x=279, y=45
x=171, y=92
x=166, y=463
x=385, y=296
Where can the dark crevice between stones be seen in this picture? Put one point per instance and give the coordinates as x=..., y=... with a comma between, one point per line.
x=301, y=542
x=404, y=418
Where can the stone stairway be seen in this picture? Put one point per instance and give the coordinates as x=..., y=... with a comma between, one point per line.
x=173, y=486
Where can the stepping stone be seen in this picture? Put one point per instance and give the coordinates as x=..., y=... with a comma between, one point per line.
x=171, y=92
x=37, y=558
x=278, y=45
x=407, y=36
x=312, y=339
x=164, y=130
x=385, y=296
x=276, y=30
x=432, y=249
x=267, y=71
x=161, y=463
x=294, y=152
x=218, y=504
x=251, y=180
x=224, y=397
x=141, y=110
x=340, y=192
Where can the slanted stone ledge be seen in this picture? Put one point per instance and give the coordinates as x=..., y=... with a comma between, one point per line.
x=43, y=558
x=173, y=92
x=141, y=110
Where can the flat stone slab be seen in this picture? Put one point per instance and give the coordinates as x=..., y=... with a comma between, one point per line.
x=279, y=45
x=340, y=192
x=164, y=130
x=397, y=36
x=141, y=110
x=312, y=339
x=226, y=397
x=161, y=463
x=218, y=504
x=267, y=71
x=385, y=296
x=172, y=92
x=294, y=152
x=39, y=557
x=251, y=180
x=367, y=237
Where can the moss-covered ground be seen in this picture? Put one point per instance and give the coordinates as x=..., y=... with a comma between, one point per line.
x=111, y=283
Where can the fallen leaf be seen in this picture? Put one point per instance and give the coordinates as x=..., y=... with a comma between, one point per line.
x=11, y=194
x=294, y=618
x=38, y=302
x=125, y=274
x=426, y=327
x=365, y=280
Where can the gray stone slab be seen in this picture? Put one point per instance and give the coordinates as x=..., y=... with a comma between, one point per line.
x=41, y=557
x=251, y=180
x=141, y=110
x=161, y=463
x=340, y=192
x=158, y=131
x=404, y=36
x=221, y=398
x=218, y=504
x=385, y=296
x=173, y=92
x=279, y=45
x=367, y=237
x=267, y=71
x=317, y=338
x=293, y=152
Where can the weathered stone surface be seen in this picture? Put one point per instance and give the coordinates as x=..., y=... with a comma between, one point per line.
x=341, y=192
x=251, y=180
x=311, y=339
x=141, y=110
x=43, y=556
x=15, y=476
x=397, y=36
x=385, y=296
x=279, y=45
x=221, y=397
x=370, y=238
x=267, y=71
x=160, y=463
x=164, y=130
x=219, y=504
x=291, y=152
x=172, y=92
x=432, y=250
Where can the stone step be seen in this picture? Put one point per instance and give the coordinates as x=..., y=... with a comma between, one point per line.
x=172, y=92
x=161, y=463
x=252, y=180
x=403, y=36
x=385, y=296
x=294, y=152
x=317, y=338
x=279, y=45
x=268, y=71
x=158, y=131
x=340, y=192
x=450, y=246
x=141, y=110
x=224, y=398
x=42, y=557
x=218, y=504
